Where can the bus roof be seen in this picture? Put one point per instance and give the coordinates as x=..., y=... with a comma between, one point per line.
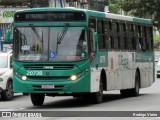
x=93, y=13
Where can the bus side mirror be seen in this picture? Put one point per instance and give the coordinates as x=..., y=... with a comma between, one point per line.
x=8, y=35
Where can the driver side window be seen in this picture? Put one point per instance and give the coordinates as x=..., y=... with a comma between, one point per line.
x=92, y=29
x=92, y=44
x=82, y=41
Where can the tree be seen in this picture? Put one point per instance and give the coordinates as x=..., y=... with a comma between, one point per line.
x=99, y=5
x=114, y=6
x=143, y=8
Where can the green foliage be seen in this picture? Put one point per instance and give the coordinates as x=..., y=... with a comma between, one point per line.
x=156, y=38
x=114, y=6
x=143, y=8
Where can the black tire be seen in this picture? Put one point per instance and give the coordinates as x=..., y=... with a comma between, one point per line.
x=158, y=76
x=77, y=96
x=97, y=97
x=37, y=99
x=8, y=94
x=135, y=90
x=132, y=92
x=125, y=93
x=25, y=94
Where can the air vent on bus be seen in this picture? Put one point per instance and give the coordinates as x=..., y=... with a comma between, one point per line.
x=49, y=67
x=48, y=78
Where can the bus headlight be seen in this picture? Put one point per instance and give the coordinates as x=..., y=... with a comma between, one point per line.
x=73, y=77
x=24, y=77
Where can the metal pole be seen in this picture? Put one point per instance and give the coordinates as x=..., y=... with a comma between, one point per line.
x=89, y=3
x=55, y=3
x=1, y=45
x=61, y=3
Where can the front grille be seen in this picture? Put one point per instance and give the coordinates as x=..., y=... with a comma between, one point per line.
x=49, y=67
x=51, y=78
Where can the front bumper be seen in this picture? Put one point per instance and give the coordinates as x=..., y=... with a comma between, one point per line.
x=80, y=85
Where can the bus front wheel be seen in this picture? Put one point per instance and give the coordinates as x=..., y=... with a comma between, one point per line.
x=37, y=99
x=97, y=97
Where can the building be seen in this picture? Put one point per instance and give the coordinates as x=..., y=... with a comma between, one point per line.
x=7, y=10
x=9, y=7
x=70, y=3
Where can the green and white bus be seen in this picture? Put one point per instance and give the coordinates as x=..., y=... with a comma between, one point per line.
x=77, y=52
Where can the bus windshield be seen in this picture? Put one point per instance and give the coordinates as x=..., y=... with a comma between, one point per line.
x=50, y=43
x=3, y=61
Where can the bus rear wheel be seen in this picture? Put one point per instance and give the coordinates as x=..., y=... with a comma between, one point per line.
x=134, y=91
x=37, y=99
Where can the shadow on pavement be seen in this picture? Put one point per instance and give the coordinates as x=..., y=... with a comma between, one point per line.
x=79, y=102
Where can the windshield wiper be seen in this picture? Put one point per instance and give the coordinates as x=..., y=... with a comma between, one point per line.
x=61, y=36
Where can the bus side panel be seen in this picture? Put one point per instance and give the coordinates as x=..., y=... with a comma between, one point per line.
x=120, y=73
x=127, y=64
x=144, y=61
x=95, y=79
x=110, y=70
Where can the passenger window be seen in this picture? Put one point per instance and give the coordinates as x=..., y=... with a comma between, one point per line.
x=150, y=29
x=92, y=24
x=121, y=34
x=129, y=36
x=101, y=35
x=115, y=34
x=140, y=43
x=107, y=36
x=111, y=38
x=125, y=35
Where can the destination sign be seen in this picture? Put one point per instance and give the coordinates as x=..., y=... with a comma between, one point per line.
x=50, y=16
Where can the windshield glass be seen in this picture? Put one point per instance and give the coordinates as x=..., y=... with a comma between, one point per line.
x=3, y=61
x=50, y=43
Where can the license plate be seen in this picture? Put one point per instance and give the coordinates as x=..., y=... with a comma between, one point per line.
x=47, y=86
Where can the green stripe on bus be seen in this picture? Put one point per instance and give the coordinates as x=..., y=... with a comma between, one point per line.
x=144, y=57
x=141, y=20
